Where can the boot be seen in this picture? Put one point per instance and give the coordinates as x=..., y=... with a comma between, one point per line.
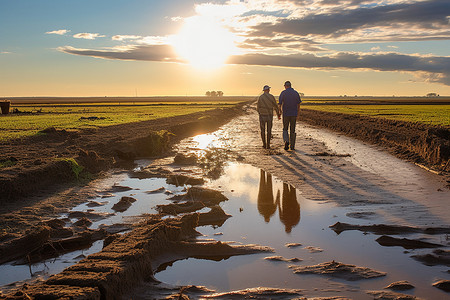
x=286, y=139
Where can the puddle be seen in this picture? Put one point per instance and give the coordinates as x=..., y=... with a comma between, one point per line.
x=265, y=211
x=269, y=212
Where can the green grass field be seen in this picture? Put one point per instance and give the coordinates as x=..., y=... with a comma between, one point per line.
x=432, y=114
x=33, y=118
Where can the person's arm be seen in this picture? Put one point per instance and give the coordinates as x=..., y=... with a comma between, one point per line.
x=275, y=105
x=280, y=103
x=298, y=106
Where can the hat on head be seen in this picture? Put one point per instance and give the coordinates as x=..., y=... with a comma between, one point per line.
x=287, y=83
x=266, y=87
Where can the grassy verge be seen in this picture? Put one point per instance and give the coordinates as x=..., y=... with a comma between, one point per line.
x=29, y=119
x=422, y=113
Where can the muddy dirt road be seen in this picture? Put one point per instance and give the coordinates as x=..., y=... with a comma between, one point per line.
x=334, y=218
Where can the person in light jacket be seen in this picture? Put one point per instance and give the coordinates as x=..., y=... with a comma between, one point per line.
x=265, y=106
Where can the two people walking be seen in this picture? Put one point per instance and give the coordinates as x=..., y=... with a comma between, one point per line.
x=288, y=105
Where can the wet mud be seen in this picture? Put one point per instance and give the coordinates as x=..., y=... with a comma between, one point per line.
x=130, y=258
x=87, y=153
x=339, y=227
x=318, y=187
x=339, y=270
x=389, y=241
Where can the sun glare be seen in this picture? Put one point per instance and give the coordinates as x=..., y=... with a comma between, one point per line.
x=204, y=43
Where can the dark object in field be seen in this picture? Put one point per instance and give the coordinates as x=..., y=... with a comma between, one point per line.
x=339, y=227
x=339, y=270
x=443, y=285
x=123, y=204
x=389, y=241
x=5, y=104
x=438, y=257
x=400, y=286
x=93, y=118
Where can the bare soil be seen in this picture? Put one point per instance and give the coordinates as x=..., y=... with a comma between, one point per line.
x=40, y=161
x=37, y=189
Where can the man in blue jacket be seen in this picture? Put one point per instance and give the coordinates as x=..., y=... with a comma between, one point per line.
x=289, y=102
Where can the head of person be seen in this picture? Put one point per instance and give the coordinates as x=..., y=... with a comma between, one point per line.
x=287, y=84
x=266, y=89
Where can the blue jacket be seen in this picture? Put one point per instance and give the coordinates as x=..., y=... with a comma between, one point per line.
x=289, y=100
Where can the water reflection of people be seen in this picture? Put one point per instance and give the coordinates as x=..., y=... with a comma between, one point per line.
x=266, y=204
x=289, y=208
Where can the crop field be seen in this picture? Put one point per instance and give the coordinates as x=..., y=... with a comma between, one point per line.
x=432, y=114
x=29, y=119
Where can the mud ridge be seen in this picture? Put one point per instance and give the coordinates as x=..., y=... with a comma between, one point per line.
x=425, y=144
x=381, y=229
x=57, y=158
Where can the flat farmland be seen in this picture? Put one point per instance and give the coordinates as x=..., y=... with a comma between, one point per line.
x=426, y=111
x=29, y=119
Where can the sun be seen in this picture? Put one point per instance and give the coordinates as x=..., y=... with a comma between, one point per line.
x=204, y=43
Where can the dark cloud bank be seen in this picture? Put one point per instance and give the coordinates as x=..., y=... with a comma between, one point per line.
x=434, y=68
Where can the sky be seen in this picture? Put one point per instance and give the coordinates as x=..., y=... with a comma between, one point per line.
x=185, y=48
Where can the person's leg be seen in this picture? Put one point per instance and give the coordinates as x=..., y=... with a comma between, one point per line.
x=293, y=135
x=285, y=132
x=262, y=126
x=269, y=130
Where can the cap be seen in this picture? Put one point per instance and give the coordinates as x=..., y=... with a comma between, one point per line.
x=266, y=87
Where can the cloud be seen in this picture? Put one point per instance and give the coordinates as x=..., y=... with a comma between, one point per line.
x=125, y=37
x=58, y=32
x=5, y=52
x=87, y=36
x=432, y=68
x=163, y=53
x=429, y=68
x=403, y=18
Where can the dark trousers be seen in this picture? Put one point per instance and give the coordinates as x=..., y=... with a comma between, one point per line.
x=265, y=121
x=289, y=126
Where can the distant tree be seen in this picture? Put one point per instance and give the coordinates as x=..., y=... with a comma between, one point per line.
x=302, y=94
x=219, y=93
x=432, y=95
x=213, y=94
x=208, y=94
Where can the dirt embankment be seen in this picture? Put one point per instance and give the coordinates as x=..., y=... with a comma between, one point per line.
x=127, y=260
x=423, y=144
x=42, y=163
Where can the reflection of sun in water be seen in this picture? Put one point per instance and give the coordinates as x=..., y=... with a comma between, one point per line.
x=204, y=43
